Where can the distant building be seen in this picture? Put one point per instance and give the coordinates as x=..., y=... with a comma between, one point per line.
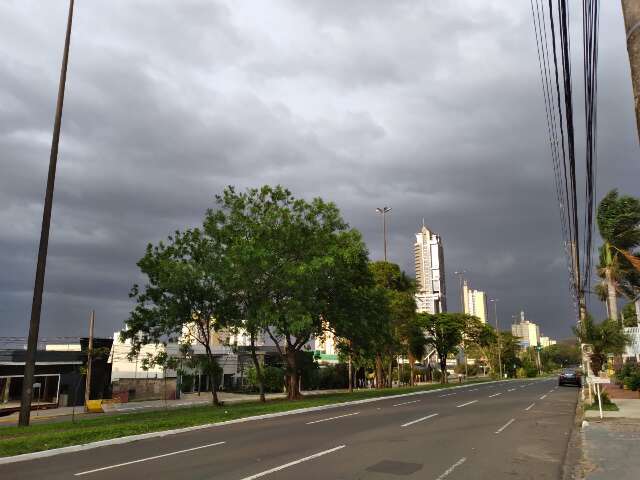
x=546, y=341
x=429, y=264
x=528, y=332
x=475, y=302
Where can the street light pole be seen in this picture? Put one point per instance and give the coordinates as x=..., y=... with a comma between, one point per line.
x=495, y=312
x=383, y=211
x=36, y=305
x=460, y=275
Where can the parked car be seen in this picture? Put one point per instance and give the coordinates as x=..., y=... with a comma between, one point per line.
x=570, y=376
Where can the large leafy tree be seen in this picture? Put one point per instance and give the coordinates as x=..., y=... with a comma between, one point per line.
x=605, y=338
x=184, y=298
x=404, y=334
x=444, y=333
x=296, y=264
x=618, y=219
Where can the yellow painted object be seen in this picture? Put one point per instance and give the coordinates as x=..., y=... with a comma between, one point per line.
x=94, y=406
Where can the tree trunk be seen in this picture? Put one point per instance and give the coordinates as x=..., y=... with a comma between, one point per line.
x=378, y=371
x=443, y=369
x=612, y=302
x=390, y=372
x=212, y=377
x=350, y=374
x=293, y=392
x=411, y=367
x=258, y=367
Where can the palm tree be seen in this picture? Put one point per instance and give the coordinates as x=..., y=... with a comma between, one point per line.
x=605, y=338
x=618, y=219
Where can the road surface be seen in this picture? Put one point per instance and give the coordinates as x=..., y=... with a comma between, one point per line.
x=517, y=429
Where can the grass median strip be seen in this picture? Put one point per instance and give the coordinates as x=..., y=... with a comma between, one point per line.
x=46, y=436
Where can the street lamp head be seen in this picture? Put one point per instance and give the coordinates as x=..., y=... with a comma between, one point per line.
x=383, y=210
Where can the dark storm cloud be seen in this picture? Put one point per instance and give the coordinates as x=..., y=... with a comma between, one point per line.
x=433, y=108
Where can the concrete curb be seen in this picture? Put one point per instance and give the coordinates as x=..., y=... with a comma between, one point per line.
x=572, y=461
x=163, y=433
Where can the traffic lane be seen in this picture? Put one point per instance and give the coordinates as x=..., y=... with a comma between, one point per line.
x=254, y=431
x=157, y=444
x=534, y=444
x=448, y=442
x=249, y=458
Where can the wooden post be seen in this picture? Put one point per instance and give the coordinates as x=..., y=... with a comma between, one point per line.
x=87, y=384
x=631, y=12
x=38, y=288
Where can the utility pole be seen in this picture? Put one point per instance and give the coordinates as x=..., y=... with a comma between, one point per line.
x=87, y=381
x=383, y=211
x=495, y=313
x=631, y=12
x=36, y=305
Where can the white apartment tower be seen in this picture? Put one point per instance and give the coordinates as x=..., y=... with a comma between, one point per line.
x=475, y=302
x=528, y=332
x=429, y=261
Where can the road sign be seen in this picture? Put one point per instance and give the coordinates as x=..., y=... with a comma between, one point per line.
x=592, y=379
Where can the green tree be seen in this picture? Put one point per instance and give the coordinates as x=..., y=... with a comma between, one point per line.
x=629, y=318
x=296, y=265
x=618, y=218
x=605, y=338
x=184, y=293
x=404, y=334
x=560, y=355
x=444, y=333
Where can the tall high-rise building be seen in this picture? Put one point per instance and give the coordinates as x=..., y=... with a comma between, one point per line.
x=528, y=332
x=431, y=294
x=475, y=302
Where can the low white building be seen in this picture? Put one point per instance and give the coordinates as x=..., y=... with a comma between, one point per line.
x=633, y=349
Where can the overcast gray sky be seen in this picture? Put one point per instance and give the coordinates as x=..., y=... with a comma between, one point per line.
x=431, y=107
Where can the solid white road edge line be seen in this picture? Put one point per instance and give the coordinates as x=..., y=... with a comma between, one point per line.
x=163, y=433
x=405, y=403
x=147, y=459
x=452, y=468
x=465, y=404
x=419, y=420
x=530, y=407
x=495, y=394
x=505, y=425
x=332, y=418
x=295, y=462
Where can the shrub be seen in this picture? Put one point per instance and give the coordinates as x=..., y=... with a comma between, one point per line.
x=629, y=375
x=273, y=378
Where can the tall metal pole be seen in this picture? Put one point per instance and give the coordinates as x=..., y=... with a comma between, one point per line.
x=36, y=306
x=631, y=12
x=463, y=310
x=383, y=211
x=87, y=381
x=495, y=313
x=384, y=232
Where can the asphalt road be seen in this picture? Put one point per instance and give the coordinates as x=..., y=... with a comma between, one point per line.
x=518, y=429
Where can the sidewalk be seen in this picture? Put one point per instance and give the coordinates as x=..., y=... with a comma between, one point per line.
x=611, y=446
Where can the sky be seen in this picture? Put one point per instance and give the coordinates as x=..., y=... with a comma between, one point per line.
x=433, y=108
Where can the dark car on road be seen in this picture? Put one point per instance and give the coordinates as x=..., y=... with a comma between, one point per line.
x=570, y=376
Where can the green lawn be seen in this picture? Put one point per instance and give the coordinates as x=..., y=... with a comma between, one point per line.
x=44, y=436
